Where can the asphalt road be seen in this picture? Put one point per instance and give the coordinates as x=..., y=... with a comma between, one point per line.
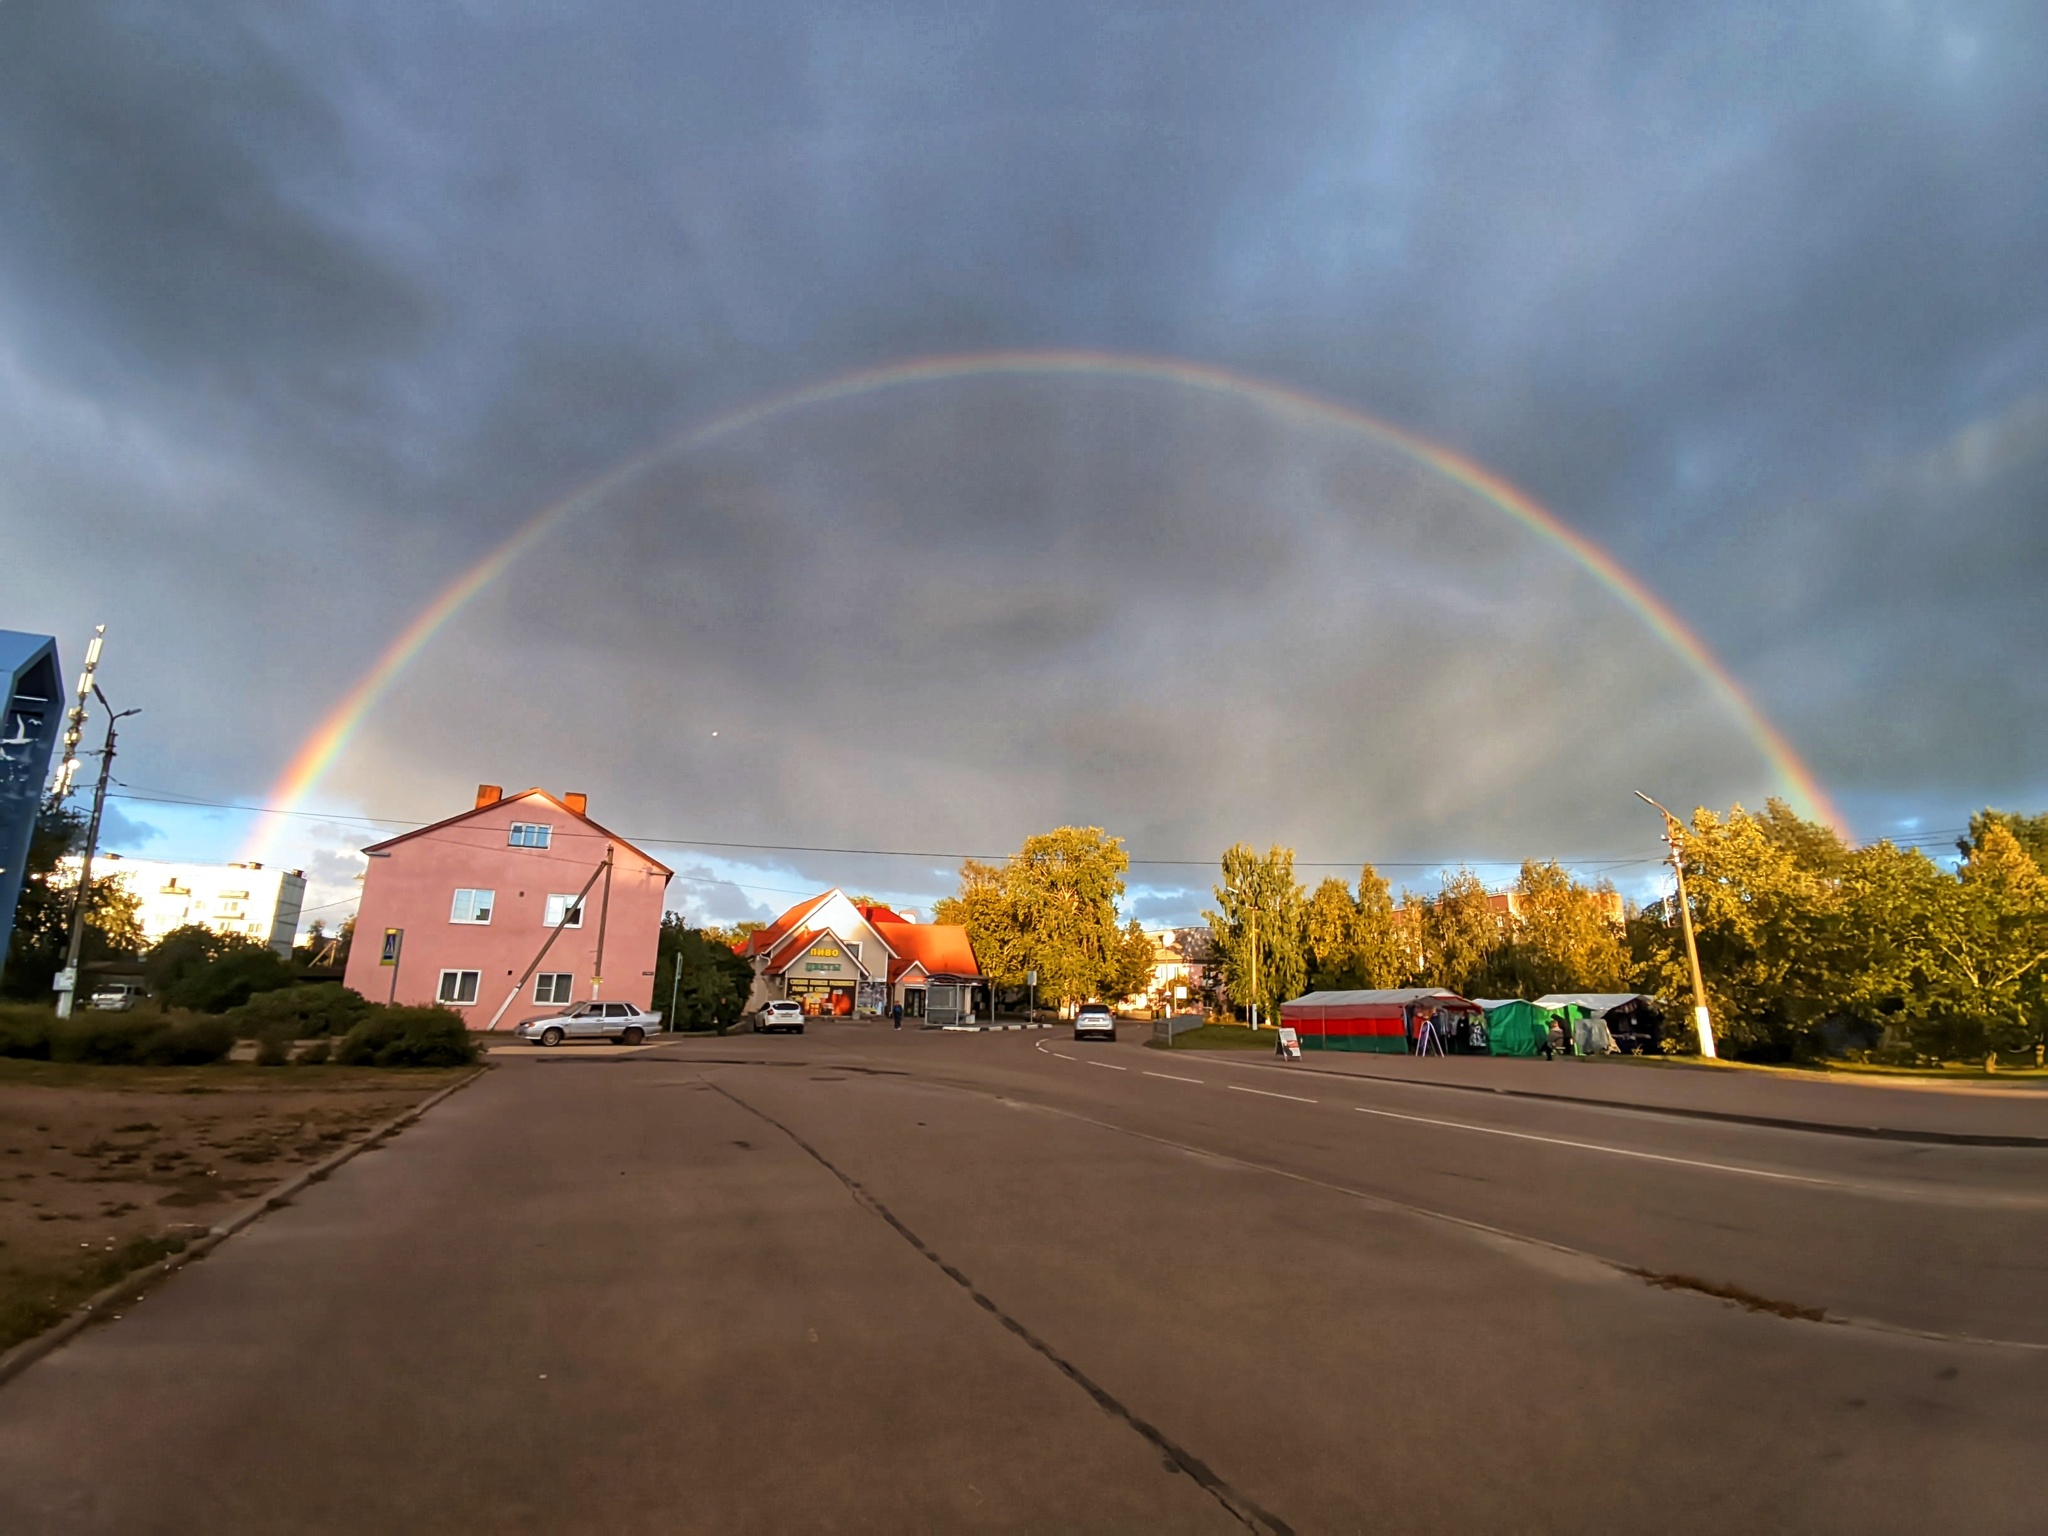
x=860, y=1280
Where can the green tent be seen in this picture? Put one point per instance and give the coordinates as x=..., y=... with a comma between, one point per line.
x=1517, y=1028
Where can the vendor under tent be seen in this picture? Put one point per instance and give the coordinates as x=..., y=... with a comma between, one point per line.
x=1630, y=1022
x=1387, y=1022
x=1515, y=1027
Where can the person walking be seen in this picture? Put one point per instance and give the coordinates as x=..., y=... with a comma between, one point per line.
x=896, y=1016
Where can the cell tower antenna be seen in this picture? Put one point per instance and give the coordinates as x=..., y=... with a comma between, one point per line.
x=74, y=723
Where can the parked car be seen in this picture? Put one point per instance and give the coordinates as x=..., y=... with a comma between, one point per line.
x=782, y=1013
x=1094, y=1020
x=118, y=996
x=592, y=1021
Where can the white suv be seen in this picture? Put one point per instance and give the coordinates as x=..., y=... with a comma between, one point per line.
x=783, y=1013
x=1095, y=1021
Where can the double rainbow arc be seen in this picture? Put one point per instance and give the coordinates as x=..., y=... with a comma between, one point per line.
x=318, y=752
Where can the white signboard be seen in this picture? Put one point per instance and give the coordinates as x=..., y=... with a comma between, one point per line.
x=1290, y=1043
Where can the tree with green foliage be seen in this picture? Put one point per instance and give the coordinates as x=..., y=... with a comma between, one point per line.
x=1257, y=935
x=2030, y=832
x=42, y=918
x=1051, y=908
x=1353, y=940
x=1990, y=941
x=1382, y=955
x=1562, y=939
x=1463, y=944
x=1330, y=934
x=1135, y=954
x=1764, y=898
x=697, y=975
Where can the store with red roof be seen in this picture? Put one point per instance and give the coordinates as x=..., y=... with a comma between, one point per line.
x=843, y=960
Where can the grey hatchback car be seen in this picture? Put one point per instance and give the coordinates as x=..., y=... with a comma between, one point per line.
x=592, y=1021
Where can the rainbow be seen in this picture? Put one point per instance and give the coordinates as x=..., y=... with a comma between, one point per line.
x=317, y=753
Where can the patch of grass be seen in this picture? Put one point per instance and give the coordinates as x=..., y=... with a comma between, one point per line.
x=29, y=1303
x=219, y=1077
x=1221, y=1037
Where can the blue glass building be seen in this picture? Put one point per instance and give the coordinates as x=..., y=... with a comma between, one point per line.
x=32, y=721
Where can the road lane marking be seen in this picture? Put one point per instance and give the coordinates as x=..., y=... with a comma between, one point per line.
x=1594, y=1146
x=1110, y=1065
x=1063, y=1056
x=1237, y=1088
x=1172, y=1079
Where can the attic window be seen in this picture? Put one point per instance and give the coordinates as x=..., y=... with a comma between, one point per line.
x=531, y=834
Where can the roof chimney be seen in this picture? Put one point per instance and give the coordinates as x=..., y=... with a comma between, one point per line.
x=577, y=801
x=489, y=794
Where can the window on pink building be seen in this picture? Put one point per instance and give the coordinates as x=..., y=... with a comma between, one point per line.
x=558, y=906
x=554, y=986
x=472, y=906
x=458, y=988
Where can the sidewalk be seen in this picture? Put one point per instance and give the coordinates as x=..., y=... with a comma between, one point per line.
x=1888, y=1108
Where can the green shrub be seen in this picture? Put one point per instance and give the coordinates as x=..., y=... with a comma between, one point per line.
x=25, y=1031
x=143, y=1042
x=407, y=1037
x=301, y=1012
x=273, y=1051
x=230, y=981
x=315, y=1054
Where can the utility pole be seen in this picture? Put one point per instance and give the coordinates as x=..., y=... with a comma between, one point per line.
x=68, y=977
x=1700, y=1021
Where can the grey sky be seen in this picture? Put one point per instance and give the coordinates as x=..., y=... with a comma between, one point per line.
x=302, y=308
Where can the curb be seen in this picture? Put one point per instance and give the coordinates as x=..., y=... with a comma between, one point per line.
x=132, y=1284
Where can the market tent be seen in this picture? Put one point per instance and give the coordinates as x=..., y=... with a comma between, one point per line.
x=1629, y=1021
x=1381, y=1021
x=1518, y=1028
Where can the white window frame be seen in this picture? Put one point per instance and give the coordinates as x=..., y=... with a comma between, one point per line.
x=559, y=902
x=537, y=834
x=457, y=1000
x=488, y=904
x=548, y=984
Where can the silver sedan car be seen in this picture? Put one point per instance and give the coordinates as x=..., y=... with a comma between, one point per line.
x=592, y=1021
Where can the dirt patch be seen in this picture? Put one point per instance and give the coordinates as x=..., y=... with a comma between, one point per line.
x=103, y=1169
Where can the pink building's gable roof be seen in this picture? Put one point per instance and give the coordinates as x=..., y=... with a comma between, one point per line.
x=498, y=805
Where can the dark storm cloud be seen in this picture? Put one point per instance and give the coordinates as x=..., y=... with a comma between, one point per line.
x=298, y=308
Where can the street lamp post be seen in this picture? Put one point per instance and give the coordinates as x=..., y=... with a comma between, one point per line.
x=1692, y=952
x=67, y=979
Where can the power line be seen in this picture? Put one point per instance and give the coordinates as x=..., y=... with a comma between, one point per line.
x=159, y=797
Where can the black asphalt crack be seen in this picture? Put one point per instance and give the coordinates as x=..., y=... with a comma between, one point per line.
x=1241, y=1508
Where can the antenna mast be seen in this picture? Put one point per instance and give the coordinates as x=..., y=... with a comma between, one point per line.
x=74, y=723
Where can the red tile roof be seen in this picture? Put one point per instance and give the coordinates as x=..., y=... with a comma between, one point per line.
x=761, y=940
x=941, y=948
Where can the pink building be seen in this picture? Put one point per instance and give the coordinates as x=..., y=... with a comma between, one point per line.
x=460, y=912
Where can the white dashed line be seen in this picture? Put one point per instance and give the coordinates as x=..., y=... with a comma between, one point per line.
x=1172, y=1079
x=1594, y=1146
x=1063, y=1056
x=1234, y=1088
x=1107, y=1065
